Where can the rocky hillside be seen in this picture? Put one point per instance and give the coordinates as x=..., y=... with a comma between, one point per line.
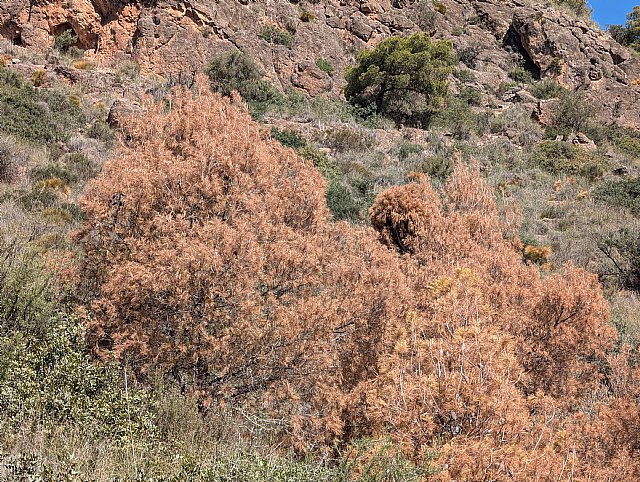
x=287, y=37
x=416, y=293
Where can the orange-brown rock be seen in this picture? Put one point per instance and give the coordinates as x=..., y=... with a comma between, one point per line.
x=170, y=36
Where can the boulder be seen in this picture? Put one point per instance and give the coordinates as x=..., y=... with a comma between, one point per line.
x=308, y=77
x=121, y=109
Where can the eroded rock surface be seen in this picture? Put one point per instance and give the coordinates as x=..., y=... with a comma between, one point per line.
x=169, y=36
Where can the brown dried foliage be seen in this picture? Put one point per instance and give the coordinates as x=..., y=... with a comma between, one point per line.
x=215, y=258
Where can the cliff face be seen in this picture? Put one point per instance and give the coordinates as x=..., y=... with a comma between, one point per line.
x=168, y=36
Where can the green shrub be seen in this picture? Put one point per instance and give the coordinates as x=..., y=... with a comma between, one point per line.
x=43, y=116
x=325, y=65
x=288, y=138
x=460, y=120
x=464, y=75
x=275, y=35
x=628, y=143
x=629, y=34
x=438, y=167
x=621, y=252
x=344, y=139
x=10, y=157
x=28, y=295
x=50, y=171
x=350, y=197
x=231, y=71
x=520, y=75
x=405, y=149
x=504, y=86
x=426, y=16
x=558, y=157
x=236, y=71
x=51, y=377
x=383, y=461
x=404, y=78
x=517, y=123
x=321, y=161
x=546, y=89
x=102, y=131
x=45, y=371
x=571, y=112
x=623, y=193
x=470, y=95
x=74, y=53
x=80, y=167
x=65, y=41
x=499, y=152
x=579, y=7
x=624, y=139
x=39, y=78
x=469, y=55
x=58, y=216
x=37, y=199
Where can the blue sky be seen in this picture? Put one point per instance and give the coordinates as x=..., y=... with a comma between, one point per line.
x=607, y=12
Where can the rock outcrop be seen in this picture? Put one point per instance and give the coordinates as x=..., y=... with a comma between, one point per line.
x=169, y=36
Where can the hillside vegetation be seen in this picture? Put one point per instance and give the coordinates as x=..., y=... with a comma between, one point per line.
x=214, y=276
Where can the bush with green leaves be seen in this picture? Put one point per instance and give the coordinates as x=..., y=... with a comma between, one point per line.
x=579, y=7
x=345, y=199
x=36, y=115
x=46, y=373
x=382, y=461
x=65, y=40
x=622, y=138
x=350, y=189
x=438, y=167
x=404, y=78
x=288, y=138
x=102, y=131
x=621, y=252
x=471, y=95
x=516, y=123
x=628, y=34
x=80, y=166
x=237, y=71
x=557, y=157
x=425, y=16
x=325, y=66
x=345, y=139
x=51, y=171
x=624, y=193
x=546, y=89
x=521, y=75
x=275, y=35
x=404, y=150
x=571, y=112
x=464, y=75
x=460, y=120
x=327, y=166
x=629, y=143
x=350, y=196
x=469, y=55
x=10, y=157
